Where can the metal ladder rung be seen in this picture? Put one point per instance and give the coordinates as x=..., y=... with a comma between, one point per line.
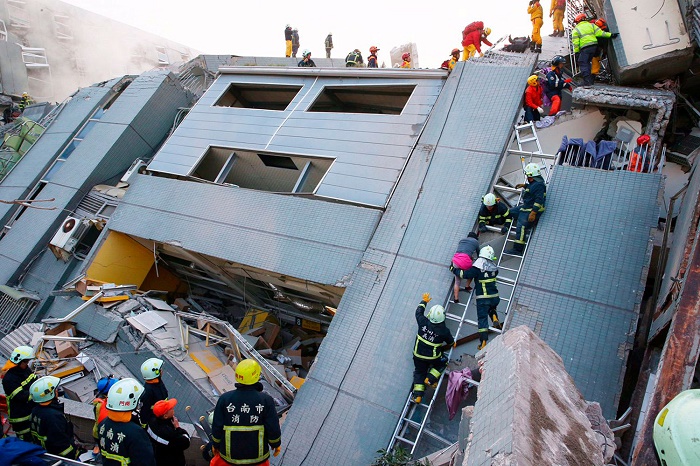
x=526, y=125
x=511, y=255
x=492, y=228
x=522, y=141
x=411, y=422
x=510, y=270
x=454, y=317
x=501, y=187
x=405, y=440
x=532, y=154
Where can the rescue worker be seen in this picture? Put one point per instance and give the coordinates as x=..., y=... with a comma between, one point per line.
x=493, y=211
x=295, y=42
x=306, y=61
x=602, y=46
x=428, y=360
x=155, y=390
x=472, y=43
x=534, y=9
x=406, y=57
x=103, y=386
x=533, y=99
x=354, y=59
x=639, y=160
x=556, y=12
x=50, y=427
x=288, y=41
x=169, y=439
x=584, y=38
x=676, y=430
x=122, y=442
x=16, y=382
x=556, y=83
x=372, y=59
x=25, y=102
x=463, y=258
x=530, y=209
x=329, y=44
x=484, y=271
x=450, y=63
x=245, y=425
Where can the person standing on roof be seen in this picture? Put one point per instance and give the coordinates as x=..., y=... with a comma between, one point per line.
x=406, y=57
x=472, y=37
x=484, y=271
x=306, y=61
x=463, y=258
x=288, y=41
x=533, y=99
x=103, y=386
x=372, y=59
x=602, y=46
x=49, y=425
x=584, y=38
x=169, y=439
x=428, y=360
x=245, y=425
x=556, y=83
x=329, y=44
x=530, y=209
x=556, y=12
x=122, y=442
x=534, y=9
x=151, y=370
x=494, y=211
x=16, y=382
x=295, y=42
x=354, y=59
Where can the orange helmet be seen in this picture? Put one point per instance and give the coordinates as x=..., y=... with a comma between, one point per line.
x=600, y=22
x=454, y=51
x=643, y=139
x=373, y=49
x=579, y=17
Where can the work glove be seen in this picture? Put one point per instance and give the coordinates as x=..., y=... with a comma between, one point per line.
x=541, y=110
x=504, y=229
x=426, y=297
x=532, y=217
x=277, y=451
x=615, y=35
x=481, y=54
x=482, y=228
x=454, y=345
x=519, y=186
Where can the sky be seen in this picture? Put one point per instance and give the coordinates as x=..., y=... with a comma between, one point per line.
x=252, y=28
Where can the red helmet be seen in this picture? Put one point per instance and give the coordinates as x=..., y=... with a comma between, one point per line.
x=405, y=56
x=579, y=17
x=373, y=49
x=600, y=22
x=454, y=51
x=643, y=139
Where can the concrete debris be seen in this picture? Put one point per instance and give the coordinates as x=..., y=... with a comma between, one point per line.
x=529, y=410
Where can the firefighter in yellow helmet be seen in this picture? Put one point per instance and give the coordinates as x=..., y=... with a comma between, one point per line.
x=16, y=382
x=245, y=425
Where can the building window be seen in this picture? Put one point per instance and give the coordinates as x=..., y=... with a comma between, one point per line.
x=261, y=171
x=384, y=100
x=162, y=54
x=260, y=96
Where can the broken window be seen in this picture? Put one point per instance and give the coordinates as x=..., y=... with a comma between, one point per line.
x=260, y=96
x=3, y=31
x=386, y=100
x=262, y=171
x=162, y=53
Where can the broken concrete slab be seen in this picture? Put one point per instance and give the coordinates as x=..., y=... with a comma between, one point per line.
x=529, y=410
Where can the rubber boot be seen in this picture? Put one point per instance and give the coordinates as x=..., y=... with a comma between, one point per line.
x=431, y=385
x=496, y=323
x=538, y=48
x=482, y=345
x=516, y=250
x=532, y=46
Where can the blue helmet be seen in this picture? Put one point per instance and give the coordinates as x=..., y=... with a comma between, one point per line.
x=104, y=384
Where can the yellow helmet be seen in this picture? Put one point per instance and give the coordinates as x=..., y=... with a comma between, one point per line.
x=248, y=372
x=532, y=80
x=487, y=31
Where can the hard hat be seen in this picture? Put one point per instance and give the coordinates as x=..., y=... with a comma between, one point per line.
x=676, y=430
x=373, y=49
x=436, y=314
x=600, y=22
x=356, y=50
x=579, y=17
x=643, y=139
x=288, y=26
x=532, y=169
x=405, y=56
x=306, y=53
x=22, y=353
x=248, y=372
x=557, y=60
x=44, y=389
x=487, y=252
x=454, y=51
x=330, y=33
x=105, y=383
x=124, y=395
x=532, y=80
x=489, y=200
x=487, y=31
x=151, y=368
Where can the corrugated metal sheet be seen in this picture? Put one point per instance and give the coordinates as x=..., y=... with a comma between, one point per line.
x=303, y=238
x=21, y=336
x=95, y=321
x=360, y=143
x=351, y=402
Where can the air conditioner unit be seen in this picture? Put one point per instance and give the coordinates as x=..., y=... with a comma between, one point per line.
x=139, y=166
x=67, y=237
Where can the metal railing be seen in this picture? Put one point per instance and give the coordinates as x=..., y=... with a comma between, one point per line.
x=624, y=157
x=15, y=308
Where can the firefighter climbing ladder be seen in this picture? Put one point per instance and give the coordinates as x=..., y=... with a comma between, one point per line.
x=415, y=416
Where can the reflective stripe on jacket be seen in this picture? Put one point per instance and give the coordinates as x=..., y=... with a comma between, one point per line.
x=430, y=337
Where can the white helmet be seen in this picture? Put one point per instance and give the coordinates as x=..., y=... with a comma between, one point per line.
x=151, y=368
x=44, y=389
x=532, y=169
x=124, y=395
x=676, y=430
x=22, y=353
x=487, y=252
x=489, y=200
x=436, y=314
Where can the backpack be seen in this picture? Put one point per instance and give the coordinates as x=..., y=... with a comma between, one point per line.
x=445, y=65
x=475, y=26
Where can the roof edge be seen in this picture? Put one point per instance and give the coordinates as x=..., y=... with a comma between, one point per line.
x=336, y=72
